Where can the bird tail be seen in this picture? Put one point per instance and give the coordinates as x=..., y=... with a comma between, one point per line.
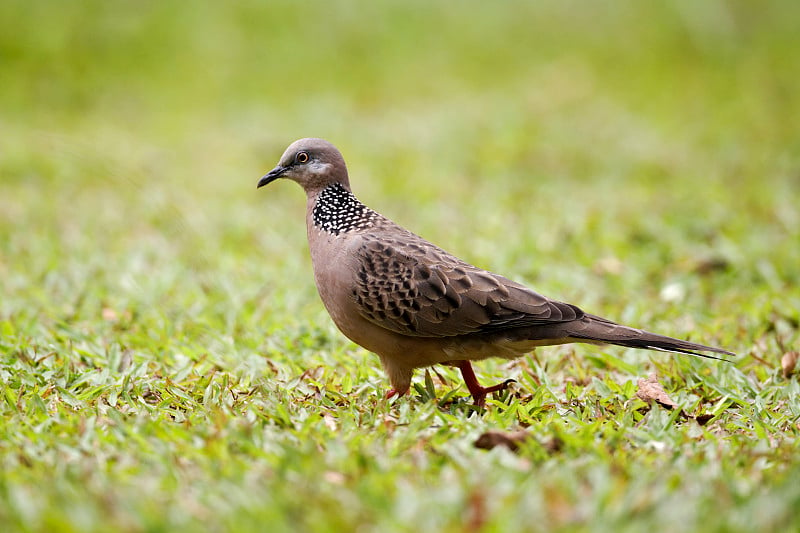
x=596, y=329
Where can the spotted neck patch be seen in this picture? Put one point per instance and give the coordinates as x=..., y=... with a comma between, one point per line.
x=337, y=211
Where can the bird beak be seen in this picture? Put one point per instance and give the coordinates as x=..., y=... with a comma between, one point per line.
x=271, y=176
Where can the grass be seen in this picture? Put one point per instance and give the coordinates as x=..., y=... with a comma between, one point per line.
x=165, y=363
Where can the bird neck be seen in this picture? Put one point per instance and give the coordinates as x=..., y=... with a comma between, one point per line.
x=336, y=210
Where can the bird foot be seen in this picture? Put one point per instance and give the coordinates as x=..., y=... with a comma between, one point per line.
x=391, y=393
x=477, y=391
x=479, y=394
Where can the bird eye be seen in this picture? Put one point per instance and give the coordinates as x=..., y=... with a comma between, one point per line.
x=301, y=157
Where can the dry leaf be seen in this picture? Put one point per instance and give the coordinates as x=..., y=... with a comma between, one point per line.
x=608, y=265
x=476, y=511
x=788, y=362
x=312, y=373
x=389, y=422
x=151, y=397
x=334, y=478
x=555, y=444
x=703, y=419
x=510, y=440
x=330, y=421
x=709, y=265
x=111, y=315
x=651, y=390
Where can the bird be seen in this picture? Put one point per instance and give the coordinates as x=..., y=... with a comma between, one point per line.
x=416, y=305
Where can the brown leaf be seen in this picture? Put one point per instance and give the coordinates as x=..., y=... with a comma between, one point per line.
x=151, y=397
x=510, y=440
x=651, y=390
x=703, y=419
x=476, y=511
x=554, y=445
x=788, y=362
x=710, y=265
x=313, y=373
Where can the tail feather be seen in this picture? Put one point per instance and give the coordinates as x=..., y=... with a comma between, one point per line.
x=598, y=329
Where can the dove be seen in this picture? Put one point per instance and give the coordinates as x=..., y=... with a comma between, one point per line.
x=416, y=305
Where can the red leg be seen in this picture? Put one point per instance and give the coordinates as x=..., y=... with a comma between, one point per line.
x=391, y=393
x=475, y=389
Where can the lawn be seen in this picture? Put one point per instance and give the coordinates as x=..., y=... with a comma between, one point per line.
x=166, y=365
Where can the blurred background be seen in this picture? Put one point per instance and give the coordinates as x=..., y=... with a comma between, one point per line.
x=165, y=363
x=616, y=148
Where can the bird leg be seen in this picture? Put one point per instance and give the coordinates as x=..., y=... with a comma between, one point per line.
x=477, y=391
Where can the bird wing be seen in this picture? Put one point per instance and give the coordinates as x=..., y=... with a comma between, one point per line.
x=411, y=287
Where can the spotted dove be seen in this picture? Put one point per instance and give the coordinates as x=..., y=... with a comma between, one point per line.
x=414, y=304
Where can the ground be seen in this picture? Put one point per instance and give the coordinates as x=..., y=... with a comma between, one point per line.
x=166, y=365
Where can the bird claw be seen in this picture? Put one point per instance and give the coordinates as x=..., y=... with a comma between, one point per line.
x=479, y=393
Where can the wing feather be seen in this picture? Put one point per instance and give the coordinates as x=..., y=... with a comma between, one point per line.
x=412, y=287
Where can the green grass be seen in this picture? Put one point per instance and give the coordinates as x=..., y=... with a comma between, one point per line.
x=165, y=363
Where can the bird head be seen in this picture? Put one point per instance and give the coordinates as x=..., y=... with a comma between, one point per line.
x=313, y=163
